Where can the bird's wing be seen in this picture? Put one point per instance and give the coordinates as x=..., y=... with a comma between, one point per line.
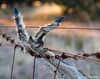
x=22, y=33
x=44, y=30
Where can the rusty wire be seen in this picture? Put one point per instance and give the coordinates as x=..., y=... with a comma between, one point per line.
x=75, y=56
x=65, y=55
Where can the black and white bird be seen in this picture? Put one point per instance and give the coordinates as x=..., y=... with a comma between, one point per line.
x=35, y=42
x=34, y=45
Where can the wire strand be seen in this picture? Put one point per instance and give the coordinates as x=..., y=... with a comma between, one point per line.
x=61, y=27
x=60, y=52
x=34, y=65
x=13, y=62
x=75, y=56
x=57, y=68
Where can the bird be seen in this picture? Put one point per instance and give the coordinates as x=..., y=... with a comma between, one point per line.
x=34, y=45
x=36, y=42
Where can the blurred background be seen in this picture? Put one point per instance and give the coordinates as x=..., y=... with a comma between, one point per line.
x=74, y=10
x=78, y=13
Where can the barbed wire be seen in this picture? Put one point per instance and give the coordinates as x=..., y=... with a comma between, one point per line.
x=84, y=56
x=64, y=54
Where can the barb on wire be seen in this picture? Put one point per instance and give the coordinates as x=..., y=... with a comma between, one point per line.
x=75, y=56
x=8, y=38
